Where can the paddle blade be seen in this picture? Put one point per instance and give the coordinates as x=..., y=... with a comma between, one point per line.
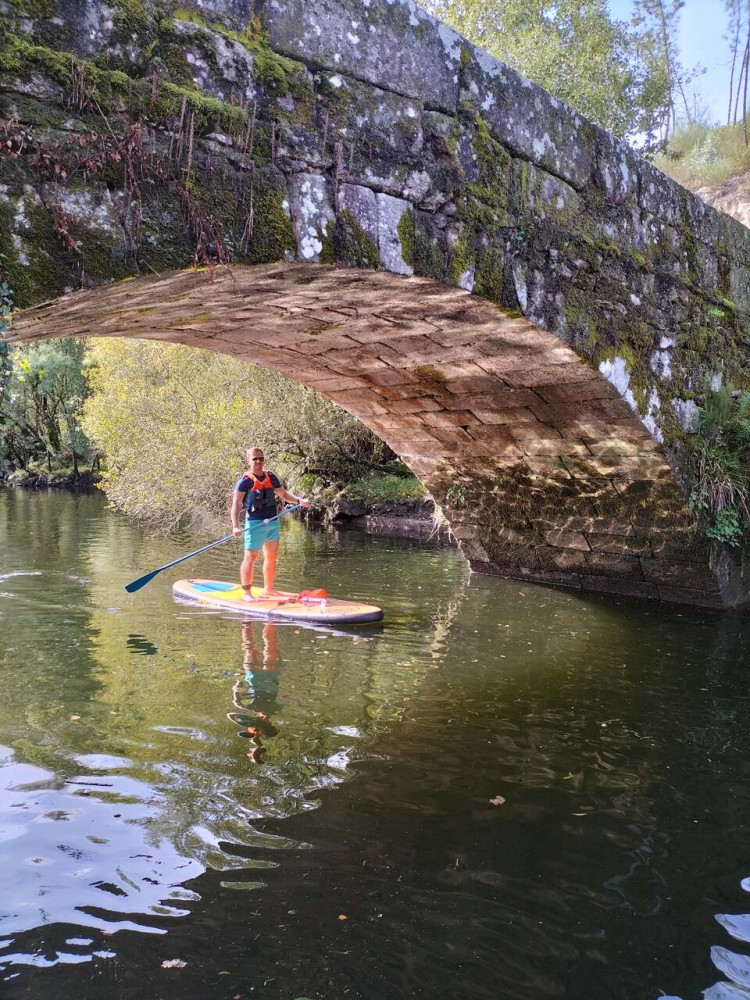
x=140, y=582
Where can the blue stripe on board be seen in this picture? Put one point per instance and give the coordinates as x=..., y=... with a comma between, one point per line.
x=211, y=588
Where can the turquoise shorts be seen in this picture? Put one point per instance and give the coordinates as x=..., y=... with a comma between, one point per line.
x=256, y=533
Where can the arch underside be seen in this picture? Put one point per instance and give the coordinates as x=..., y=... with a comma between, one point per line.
x=544, y=473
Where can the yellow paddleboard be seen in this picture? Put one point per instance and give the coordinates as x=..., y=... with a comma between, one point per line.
x=289, y=607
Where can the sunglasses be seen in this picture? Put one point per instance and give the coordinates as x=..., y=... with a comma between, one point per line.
x=260, y=458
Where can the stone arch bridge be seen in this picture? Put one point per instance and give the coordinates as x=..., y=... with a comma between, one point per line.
x=527, y=312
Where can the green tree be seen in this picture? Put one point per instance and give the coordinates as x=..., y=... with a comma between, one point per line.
x=42, y=391
x=573, y=48
x=174, y=423
x=658, y=21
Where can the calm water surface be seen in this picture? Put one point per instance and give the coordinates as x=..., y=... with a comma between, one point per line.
x=503, y=792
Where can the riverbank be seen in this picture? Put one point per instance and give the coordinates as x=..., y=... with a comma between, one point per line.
x=415, y=517
x=35, y=480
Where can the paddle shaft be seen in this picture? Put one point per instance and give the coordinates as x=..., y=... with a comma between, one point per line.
x=143, y=580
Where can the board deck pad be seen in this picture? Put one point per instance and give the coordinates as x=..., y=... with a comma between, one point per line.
x=287, y=606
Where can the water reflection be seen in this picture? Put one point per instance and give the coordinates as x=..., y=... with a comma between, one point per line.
x=255, y=693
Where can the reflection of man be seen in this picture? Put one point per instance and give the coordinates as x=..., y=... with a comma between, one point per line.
x=255, y=693
x=256, y=491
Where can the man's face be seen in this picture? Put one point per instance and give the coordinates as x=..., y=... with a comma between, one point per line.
x=256, y=461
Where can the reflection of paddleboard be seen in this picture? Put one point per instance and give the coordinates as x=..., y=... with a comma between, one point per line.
x=286, y=606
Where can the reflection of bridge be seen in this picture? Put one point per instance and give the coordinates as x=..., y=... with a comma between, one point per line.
x=544, y=420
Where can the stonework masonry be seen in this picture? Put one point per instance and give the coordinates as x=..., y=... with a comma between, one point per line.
x=526, y=311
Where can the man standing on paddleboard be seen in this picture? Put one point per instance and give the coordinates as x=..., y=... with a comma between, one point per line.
x=256, y=492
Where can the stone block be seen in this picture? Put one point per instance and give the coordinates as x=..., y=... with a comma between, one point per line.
x=552, y=447
x=617, y=168
x=570, y=580
x=336, y=384
x=622, y=567
x=537, y=431
x=546, y=467
x=394, y=45
x=577, y=392
x=408, y=391
x=546, y=375
x=515, y=416
x=392, y=377
x=387, y=126
x=423, y=404
x=311, y=211
x=450, y=418
x=471, y=384
x=620, y=544
x=495, y=401
x=527, y=120
x=561, y=539
x=497, y=437
x=465, y=531
x=688, y=595
x=475, y=552
x=362, y=203
x=390, y=212
x=671, y=573
x=623, y=588
x=555, y=559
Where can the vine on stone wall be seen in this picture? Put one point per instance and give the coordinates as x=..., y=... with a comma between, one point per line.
x=96, y=154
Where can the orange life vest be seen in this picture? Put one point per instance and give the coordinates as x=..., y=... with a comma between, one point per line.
x=260, y=499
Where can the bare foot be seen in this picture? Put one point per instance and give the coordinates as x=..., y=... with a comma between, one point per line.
x=247, y=596
x=271, y=593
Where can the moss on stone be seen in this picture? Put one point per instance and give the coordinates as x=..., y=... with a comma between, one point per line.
x=428, y=253
x=41, y=269
x=272, y=236
x=33, y=8
x=345, y=242
x=113, y=90
x=280, y=75
x=462, y=259
x=492, y=187
x=430, y=375
x=489, y=280
x=130, y=20
x=641, y=378
x=405, y=230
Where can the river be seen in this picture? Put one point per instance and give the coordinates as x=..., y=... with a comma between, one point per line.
x=503, y=791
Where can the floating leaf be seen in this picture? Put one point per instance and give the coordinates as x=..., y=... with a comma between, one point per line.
x=173, y=963
x=497, y=801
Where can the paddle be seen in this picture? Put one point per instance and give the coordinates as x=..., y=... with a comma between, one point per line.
x=143, y=580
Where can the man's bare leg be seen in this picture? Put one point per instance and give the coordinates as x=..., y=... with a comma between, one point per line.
x=246, y=572
x=270, y=557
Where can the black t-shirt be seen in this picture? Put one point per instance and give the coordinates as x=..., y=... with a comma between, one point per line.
x=257, y=504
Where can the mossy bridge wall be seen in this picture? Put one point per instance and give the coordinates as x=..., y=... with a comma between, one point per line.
x=525, y=310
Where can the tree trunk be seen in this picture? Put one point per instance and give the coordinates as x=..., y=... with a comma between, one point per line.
x=735, y=46
x=747, y=73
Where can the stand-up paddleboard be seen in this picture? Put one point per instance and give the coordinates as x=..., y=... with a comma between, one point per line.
x=290, y=607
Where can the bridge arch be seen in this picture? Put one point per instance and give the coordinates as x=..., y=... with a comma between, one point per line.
x=281, y=136
x=544, y=472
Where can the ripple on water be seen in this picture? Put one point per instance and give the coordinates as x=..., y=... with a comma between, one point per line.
x=90, y=859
